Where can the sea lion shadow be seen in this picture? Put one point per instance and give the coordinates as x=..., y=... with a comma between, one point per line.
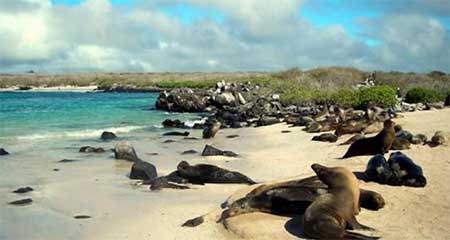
x=361, y=176
x=295, y=225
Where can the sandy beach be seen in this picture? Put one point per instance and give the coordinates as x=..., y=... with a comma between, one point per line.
x=98, y=186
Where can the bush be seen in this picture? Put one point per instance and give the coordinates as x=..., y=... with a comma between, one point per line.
x=345, y=97
x=423, y=95
x=381, y=96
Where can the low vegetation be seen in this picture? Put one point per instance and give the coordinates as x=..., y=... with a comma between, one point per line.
x=319, y=85
x=424, y=95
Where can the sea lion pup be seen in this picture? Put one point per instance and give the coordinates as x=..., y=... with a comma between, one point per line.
x=211, y=130
x=381, y=143
x=378, y=170
x=406, y=172
x=331, y=213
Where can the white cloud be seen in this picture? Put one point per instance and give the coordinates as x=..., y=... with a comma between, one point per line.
x=269, y=36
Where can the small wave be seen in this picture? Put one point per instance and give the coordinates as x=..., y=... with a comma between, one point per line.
x=79, y=134
x=193, y=122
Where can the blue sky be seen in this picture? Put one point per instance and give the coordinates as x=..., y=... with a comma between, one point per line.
x=227, y=35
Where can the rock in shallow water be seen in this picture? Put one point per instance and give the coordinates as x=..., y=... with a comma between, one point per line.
x=89, y=149
x=23, y=190
x=108, y=136
x=21, y=202
x=3, y=152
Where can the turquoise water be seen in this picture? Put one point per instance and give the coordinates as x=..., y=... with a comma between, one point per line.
x=32, y=116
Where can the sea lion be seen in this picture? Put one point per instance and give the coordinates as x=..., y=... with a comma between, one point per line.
x=381, y=143
x=419, y=139
x=312, y=127
x=211, y=130
x=350, y=127
x=440, y=138
x=406, y=172
x=331, y=213
x=285, y=198
x=326, y=137
x=373, y=128
x=378, y=170
x=205, y=173
x=353, y=139
x=400, y=144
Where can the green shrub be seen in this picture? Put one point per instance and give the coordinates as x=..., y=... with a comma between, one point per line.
x=381, y=96
x=345, y=97
x=298, y=95
x=423, y=95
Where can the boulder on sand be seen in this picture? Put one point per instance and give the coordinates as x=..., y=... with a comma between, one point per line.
x=212, y=151
x=143, y=170
x=125, y=151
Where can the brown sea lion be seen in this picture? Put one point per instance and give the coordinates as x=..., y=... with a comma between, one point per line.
x=381, y=143
x=331, y=213
x=211, y=130
x=373, y=128
x=353, y=139
x=350, y=127
x=400, y=144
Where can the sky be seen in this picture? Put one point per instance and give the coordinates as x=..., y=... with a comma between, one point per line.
x=223, y=35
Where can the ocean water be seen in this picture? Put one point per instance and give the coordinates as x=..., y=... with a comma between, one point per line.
x=46, y=116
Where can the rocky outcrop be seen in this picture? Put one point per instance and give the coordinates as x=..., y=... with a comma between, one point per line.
x=182, y=100
x=125, y=151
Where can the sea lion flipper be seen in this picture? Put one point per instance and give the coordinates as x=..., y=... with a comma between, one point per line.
x=353, y=224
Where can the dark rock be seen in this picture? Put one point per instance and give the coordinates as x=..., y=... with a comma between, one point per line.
x=56, y=169
x=212, y=151
x=23, y=190
x=285, y=131
x=168, y=123
x=89, y=149
x=182, y=100
x=68, y=160
x=198, y=126
x=447, y=100
x=169, y=141
x=232, y=136
x=3, y=152
x=153, y=154
x=143, y=170
x=125, y=151
x=24, y=88
x=266, y=121
x=326, y=137
x=21, y=202
x=176, y=134
x=81, y=216
x=192, y=151
x=108, y=136
x=191, y=138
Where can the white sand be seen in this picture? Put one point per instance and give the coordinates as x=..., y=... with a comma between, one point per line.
x=98, y=186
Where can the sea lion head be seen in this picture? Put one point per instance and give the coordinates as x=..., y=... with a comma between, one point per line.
x=182, y=165
x=335, y=177
x=389, y=124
